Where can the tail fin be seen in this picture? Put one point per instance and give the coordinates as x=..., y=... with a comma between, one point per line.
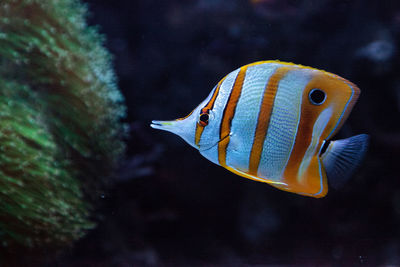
x=342, y=158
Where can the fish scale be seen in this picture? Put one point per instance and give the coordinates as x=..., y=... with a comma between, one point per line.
x=282, y=131
x=244, y=128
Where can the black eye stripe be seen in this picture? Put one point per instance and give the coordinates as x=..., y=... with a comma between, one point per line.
x=204, y=117
x=317, y=96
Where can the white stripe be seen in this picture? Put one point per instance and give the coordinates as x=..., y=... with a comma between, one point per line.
x=244, y=122
x=318, y=129
x=282, y=130
x=210, y=134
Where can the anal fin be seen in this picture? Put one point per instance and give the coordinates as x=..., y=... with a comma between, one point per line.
x=342, y=157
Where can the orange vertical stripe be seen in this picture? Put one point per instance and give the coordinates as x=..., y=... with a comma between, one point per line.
x=199, y=132
x=228, y=114
x=264, y=117
x=210, y=103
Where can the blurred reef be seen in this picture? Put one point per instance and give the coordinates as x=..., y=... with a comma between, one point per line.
x=60, y=129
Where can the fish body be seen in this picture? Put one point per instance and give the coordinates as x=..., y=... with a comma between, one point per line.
x=272, y=122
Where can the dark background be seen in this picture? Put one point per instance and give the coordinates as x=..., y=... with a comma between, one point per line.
x=170, y=206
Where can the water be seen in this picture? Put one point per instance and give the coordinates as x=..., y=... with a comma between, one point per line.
x=170, y=206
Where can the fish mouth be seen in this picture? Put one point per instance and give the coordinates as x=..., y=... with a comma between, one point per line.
x=219, y=141
x=163, y=125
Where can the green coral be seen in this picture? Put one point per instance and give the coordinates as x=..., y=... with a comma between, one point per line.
x=60, y=112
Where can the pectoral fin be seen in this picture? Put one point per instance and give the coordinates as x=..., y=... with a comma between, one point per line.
x=342, y=157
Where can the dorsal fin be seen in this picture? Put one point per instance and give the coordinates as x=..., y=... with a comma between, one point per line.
x=342, y=157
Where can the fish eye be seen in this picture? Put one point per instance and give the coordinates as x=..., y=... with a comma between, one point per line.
x=204, y=117
x=317, y=96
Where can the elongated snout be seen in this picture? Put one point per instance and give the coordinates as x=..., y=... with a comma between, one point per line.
x=169, y=126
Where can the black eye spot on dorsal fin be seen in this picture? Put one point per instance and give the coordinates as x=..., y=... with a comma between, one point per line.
x=317, y=96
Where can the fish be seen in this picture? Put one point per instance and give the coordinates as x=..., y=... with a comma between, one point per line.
x=273, y=122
